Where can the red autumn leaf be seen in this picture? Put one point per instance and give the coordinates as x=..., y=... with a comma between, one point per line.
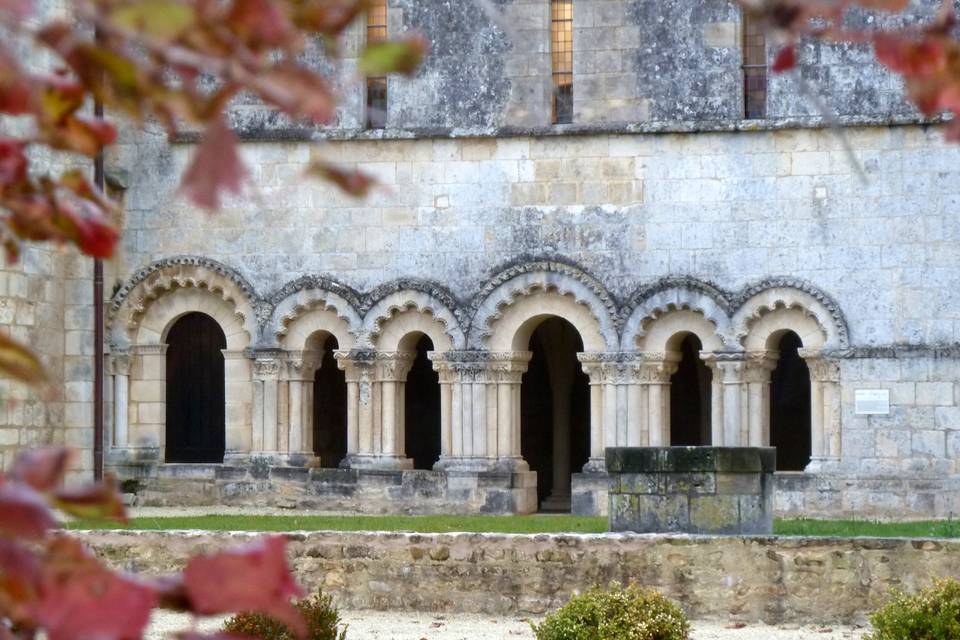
x=15, y=93
x=81, y=134
x=261, y=23
x=298, y=92
x=19, y=9
x=329, y=17
x=908, y=56
x=95, y=501
x=83, y=600
x=84, y=225
x=23, y=512
x=13, y=164
x=19, y=580
x=886, y=5
x=216, y=167
x=352, y=181
x=254, y=577
x=59, y=97
x=43, y=469
x=786, y=59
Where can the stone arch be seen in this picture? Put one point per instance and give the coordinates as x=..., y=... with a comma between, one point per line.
x=508, y=306
x=156, y=295
x=398, y=315
x=664, y=332
x=517, y=322
x=676, y=301
x=312, y=304
x=779, y=305
x=308, y=311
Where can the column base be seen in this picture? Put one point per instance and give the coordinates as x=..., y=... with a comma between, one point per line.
x=595, y=465
x=556, y=502
x=481, y=465
x=131, y=455
x=822, y=465
x=376, y=462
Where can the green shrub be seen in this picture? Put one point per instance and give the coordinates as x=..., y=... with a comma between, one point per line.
x=615, y=613
x=323, y=622
x=931, y=614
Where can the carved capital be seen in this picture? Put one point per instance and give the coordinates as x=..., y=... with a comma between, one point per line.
x=394, y=365
x=266, y=368
x=760, y=364
x=120, y=363
x=149, y=349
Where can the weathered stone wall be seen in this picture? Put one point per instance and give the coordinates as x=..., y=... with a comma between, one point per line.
x=637, y=61
x=775, y=580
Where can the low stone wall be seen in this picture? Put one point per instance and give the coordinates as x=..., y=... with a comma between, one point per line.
x=371, y=491
x=769, y=579
x=863, y=497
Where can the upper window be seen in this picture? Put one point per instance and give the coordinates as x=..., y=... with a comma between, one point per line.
x=561, y=41
x=754, y=69
x=377, y=86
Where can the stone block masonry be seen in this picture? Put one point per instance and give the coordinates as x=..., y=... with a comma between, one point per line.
x=716, y=490
x=769, y=579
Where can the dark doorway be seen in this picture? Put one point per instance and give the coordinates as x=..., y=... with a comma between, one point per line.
x=690, y=397
x=790, y=407
x=195, y=390
x=329, y=409
x=421, y=400
x=555, y=344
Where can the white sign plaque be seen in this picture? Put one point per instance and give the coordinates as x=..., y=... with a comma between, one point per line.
x=872, y=402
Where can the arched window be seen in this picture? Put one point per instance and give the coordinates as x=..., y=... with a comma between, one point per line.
x=422, y=409
x=329, y=408
x=195, y=430
x=376, y=115
x=790, y=407
x=690, y=395
x=555, y=412
x=754, y=68
x=561, y=49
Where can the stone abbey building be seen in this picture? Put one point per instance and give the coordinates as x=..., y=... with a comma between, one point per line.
x=601, y=223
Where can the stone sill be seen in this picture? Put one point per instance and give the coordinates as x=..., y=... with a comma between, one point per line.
x=300, y=133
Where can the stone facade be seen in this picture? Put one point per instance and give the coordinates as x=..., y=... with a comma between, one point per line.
x=774, y=580
x=659, y=215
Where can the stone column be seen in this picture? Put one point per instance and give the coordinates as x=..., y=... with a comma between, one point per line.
x=120, y=368
x=266, y=378
x=358, y=367
x=239, y=411
x=756, y=375
x=481, y=390
x=391, y=375
x=146, y=414
x=729, y=396
x=825, y=424
x=300, y=370
x=652, y=371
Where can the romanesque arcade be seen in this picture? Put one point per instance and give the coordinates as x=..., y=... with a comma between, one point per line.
x=527, y=381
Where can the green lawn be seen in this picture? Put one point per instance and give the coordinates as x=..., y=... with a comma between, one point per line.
x=509, y=524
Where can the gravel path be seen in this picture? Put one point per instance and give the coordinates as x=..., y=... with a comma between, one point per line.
x=381, y=625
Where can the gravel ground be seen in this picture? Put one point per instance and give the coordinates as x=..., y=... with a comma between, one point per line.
x=380, y=625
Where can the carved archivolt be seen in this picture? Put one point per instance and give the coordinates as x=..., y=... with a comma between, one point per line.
x=402, y=313
x=209, y=279
x=792, y=305
x=567, y=292
x=737, y=320
x=307, y=309
x=667, y=298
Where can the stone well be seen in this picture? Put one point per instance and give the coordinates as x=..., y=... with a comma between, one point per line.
x=710, y=490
